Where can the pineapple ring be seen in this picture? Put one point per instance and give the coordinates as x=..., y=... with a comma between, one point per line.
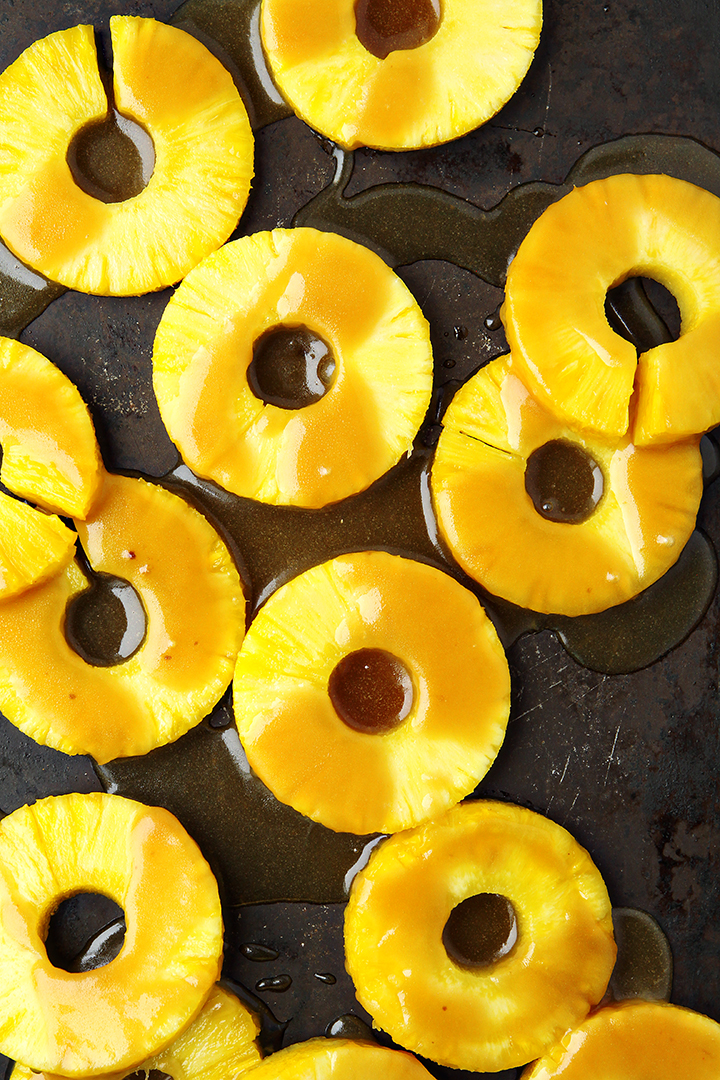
x=293, y=278
x=340, y=1059
x=634, y=1040
x=169, y=83
x=113, y=1016
x=412, y=97
x=194, y=604
x=636, y=532
x=295, y=739
x=591, y=240
x=504, y=1014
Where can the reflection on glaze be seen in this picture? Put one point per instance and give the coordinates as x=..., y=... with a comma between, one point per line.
x=383, y=26
x=480, y=930
x=112, y=159
x=644, y=966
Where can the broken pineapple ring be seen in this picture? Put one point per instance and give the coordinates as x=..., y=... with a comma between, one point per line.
x=109, y=1017
x=554, y=312
x=340, y=1059
x=167, y=82
x=555, y=519
x=398, y=76
x=424, y=964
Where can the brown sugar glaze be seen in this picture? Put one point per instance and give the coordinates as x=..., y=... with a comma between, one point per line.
x=383, y=26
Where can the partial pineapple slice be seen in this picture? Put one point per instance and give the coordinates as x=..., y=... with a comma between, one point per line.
x=395, y=74
x=554, y=311
x=340, y=1059
x=33, y=546
x=81, y=1024
x=551, y=518
x=293, y=366
x=396, y=693
x=479, y=938
x=194, y=609
x=635, y=1040
x=167, y=82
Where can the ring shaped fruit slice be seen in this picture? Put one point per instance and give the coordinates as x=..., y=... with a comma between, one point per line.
x=551, y=518
x=531, y=931
x=554, y=311
x=169, y=84
x=293, y=366
x=194, y=612
x=635, y=1040
x=398, y=74
x=395, y=692
x=85, y=1023
x=340, y=1059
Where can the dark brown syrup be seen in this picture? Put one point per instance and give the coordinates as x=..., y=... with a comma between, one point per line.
x=564, y=482
x=383, y=26
x=85, y=931
x=480, y=930
x=112, y=159
x=644, y=965
x=291, y=367
x=371, y=691
x=106, y=623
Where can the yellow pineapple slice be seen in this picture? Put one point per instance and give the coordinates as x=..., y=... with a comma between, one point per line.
x=33, y=546
x=167, y=82
x=82, y=1024
x=554, y=311
x=395, y=74
x=194, y=610
x=340, y=1059
x=635, y=1040
x=479, y=938
x=292, y=366
x=551, y=518
x=395, y=692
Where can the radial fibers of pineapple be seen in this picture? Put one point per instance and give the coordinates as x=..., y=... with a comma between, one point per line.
x=415, y=948
x=340, y=1059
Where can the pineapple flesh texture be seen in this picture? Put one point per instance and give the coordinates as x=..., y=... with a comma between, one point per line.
x=301, y=748
x=340, y=1059
x=168, y=82
x=194, y=607
x=554, y=312
x=33, y=546
x=414, y=97
x=635, y=1040
x=636, y=532
x=122, y=1013
x=506, y=1013
x=342, y=442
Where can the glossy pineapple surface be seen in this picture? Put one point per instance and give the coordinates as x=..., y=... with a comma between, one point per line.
x=340, y=1059
x=33, y=546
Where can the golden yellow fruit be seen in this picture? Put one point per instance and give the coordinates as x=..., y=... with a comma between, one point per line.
x=398, y=75
x=395, y=693
x=635, y=1040
x=292, y=366
x=167, y=82
x=518, y=904
x=554, y=311
x=33, y=546
x=82, y=1024
x=339, y=1059
x=194, y=608
x=550, y=517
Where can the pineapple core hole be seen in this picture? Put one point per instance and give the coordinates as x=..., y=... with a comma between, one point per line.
x=291, y=367
x=480, y=930
x=382, y=26
x=85, y=931
x=112, y=159
x=106, y=623
x=371, y=691
x=643, y=312
x=564, y=482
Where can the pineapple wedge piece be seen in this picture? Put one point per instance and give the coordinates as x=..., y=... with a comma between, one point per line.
x=34, y=546
x=340, y=1059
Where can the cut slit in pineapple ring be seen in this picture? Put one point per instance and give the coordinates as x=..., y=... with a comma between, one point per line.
x=473, y=58
x=81, y=1024
x=506, y=1013
x=293, y=736
x=554, y=315
x=170, y=84
x=635, y=533
x=283, y=280
x=194, y=605
x=340, y=1059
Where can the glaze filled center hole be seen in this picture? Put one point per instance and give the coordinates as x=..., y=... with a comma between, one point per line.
x=112, y=159
x=480, y=930
x=643, y=312
x=383, y=26
x=85, y=931
x=291, y=367
x=106, y=623
x=371, y=691
x=564, y=482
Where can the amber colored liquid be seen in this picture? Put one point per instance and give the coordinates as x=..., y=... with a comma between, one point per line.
x=291, y=367
x=563, y=481
x=112, y=159
x=480, y=930
x=383, y=26
x=371, y=691
x=106, y=623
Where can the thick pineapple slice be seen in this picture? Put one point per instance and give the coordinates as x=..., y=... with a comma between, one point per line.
x=551, y=518
x=293, y=366
x=395, y=692
x=167, y=82
x=398, y=74
x=33, y=546
x=554, y=311
x=479, y=938
x=340, y=1059
x=194, y=608
x=635, y=1040
x=81, y=1024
